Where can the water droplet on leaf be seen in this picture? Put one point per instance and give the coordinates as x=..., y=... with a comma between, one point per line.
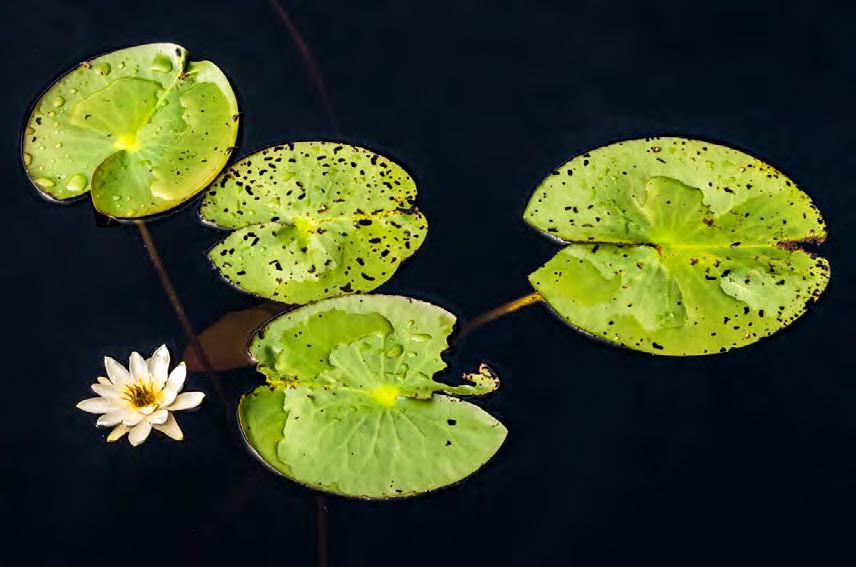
x=162, y=63
x=76, y=182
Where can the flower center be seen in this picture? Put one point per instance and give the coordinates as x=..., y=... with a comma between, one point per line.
x=141, y=394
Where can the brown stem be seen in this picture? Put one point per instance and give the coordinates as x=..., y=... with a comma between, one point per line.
x=318, y=79
x=321, y=529
x=310, y=63
x=498, y=312
x=243, y=494
x=171, y=294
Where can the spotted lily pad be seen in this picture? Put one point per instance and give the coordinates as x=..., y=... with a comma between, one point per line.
x=677, y=246
x=312, y=220
x=352, y=407
x=142, y=129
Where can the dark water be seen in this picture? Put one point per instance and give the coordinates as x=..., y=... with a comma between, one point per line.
x=619, y=458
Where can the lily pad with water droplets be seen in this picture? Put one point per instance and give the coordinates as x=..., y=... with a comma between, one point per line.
x=352, y=407
x=677, y=246
x=142, y=129
x=313, y=220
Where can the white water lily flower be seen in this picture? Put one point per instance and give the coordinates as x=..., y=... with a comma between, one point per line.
x=141, y=397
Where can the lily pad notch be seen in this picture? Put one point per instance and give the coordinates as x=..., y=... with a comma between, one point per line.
x=677, y=246
x=312, y=220
x=351, y=406
x=141, y=129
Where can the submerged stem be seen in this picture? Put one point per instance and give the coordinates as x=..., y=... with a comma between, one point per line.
x=321, y=529
x=498, y=312
x=171, y=294
x=309, y=61
x=318, y=80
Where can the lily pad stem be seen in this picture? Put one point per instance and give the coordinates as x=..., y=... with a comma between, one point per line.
x=309, y=61
x=321, y=529
x=318, y=80
x=171, y=294
x=498, y=312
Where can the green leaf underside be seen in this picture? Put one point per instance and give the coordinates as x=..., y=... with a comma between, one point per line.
x=312, y=220
x=676, y=246
x=143, y=129
x=351, y=406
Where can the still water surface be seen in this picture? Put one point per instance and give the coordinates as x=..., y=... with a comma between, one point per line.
x=619, y=457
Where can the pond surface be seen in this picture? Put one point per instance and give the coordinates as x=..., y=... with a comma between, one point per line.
x=619, y=458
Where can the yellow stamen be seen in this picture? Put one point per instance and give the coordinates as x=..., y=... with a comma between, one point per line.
x=141, y=394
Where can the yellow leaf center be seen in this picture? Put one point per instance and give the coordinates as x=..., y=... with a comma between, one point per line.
x=126, y=142
x=385, y=395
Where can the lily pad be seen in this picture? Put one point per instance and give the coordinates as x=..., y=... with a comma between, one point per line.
x=313, y=220
x=142, y=129
x=677, y=246
x=351, y=406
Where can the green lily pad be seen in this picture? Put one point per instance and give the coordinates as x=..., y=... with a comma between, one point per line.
x=142, y=129
x=351, y=406
x=313, y=220
x=677, y=246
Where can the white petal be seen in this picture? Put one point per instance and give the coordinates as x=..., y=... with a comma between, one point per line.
x=117, y=433
x=105, y=381
x=110, y=419
x=176, y=378
x=167, y=397
x=107, y=391
x=147, y=410
x=132, y=417
x=118, y=415
x=174, y=384
x=138, y=367
x=95, y=405
x=118, y=374
x=139, y=433
x=158, y=365
x=171, y=428
x=186, y=400
x=158, y=417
